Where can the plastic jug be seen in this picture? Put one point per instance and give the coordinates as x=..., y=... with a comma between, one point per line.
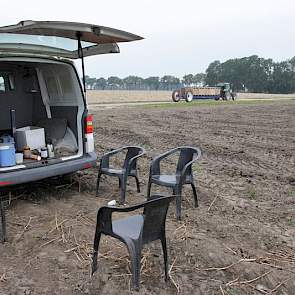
x=6, y=139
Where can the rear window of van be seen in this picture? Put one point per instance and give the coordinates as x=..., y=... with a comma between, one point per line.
x=6, y=82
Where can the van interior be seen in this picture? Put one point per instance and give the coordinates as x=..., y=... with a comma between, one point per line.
x=44, y=93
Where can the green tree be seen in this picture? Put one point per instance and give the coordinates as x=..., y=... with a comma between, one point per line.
x=114, y=82
x=188, y=80
x=283, y=78
x=152, y=83
x=199, y=79
x=90, y=82
x=129, y=82
x=253, y=73
x=101, y=83
x=133, y=82
x=169, y=82
x=138, y=82
x=213, y=73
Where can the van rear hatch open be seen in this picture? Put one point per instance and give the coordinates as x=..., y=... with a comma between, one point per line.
x=59, y=39
x=44, y=89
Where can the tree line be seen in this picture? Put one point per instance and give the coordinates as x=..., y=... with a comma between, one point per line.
x=253, y=74
x=167, y=82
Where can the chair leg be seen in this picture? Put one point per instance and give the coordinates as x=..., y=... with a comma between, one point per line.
x=2, y=223
x=177, y=193
x=95, y=251
x=195, y=195
x=123, y=183
x=98, y=182
x=137, y=183
x=164, y=247
x=135, y=257
x=149, y=189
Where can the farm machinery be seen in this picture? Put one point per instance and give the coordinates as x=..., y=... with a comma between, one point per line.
x=220, y=91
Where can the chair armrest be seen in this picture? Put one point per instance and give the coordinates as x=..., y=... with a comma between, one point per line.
x=190, y=163
x=104, y=161
x=136, y=157
x=104, y=216
x=112, y=209
x=155, y=164
x=124, y=209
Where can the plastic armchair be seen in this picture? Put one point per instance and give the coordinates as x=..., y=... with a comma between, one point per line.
x=134, y=231
x=129, y=168
x=183, y=174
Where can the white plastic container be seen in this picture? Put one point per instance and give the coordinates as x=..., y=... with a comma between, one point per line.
x=44, y=153
x=19, y=158
x=31, y=136
x=50, y=151
x=112, y=203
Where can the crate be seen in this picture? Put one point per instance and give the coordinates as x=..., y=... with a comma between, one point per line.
x=31, y=136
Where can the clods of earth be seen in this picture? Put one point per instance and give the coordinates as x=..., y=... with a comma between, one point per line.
x=241, y=239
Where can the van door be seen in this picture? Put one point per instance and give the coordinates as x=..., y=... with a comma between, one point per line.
x=59, y=39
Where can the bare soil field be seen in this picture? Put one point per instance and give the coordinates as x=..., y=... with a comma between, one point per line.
x=124, y=96
x=240, y=240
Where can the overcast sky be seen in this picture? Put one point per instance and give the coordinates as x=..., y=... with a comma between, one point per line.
x=181, y=36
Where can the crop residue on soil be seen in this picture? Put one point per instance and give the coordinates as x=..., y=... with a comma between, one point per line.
x=241, y=239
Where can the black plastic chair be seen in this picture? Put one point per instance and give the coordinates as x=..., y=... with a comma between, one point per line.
x=129, y=168
x=183, y=174
x=135, y=231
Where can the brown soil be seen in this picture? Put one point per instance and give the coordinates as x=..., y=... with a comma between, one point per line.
x=241, y=239
x=95, y=97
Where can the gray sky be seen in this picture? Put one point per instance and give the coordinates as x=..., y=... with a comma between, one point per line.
x=181, y=36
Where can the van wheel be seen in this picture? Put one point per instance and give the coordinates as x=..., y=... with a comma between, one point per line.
x=189, y=96
x=176, y=96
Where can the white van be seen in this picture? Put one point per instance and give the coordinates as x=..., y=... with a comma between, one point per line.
x=40, y=85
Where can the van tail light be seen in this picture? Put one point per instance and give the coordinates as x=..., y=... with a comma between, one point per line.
x=5, y=183
x=89, y=124
x=89, y=144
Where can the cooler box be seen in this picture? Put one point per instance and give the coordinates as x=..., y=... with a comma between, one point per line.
x=7, y=155
x=31, y=136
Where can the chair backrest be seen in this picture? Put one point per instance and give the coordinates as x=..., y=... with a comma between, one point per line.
x=132, y=151
x=155, y=212
x=186, y=155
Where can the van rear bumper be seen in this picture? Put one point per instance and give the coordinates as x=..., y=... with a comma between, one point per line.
x=65, y=167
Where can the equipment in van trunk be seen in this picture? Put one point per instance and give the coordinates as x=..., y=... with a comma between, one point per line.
x=7, y=155
x=31, y=136
x=7, y=151
x=12, y=123
x=40, y=82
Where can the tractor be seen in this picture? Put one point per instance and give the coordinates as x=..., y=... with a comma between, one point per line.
x=221, y=91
